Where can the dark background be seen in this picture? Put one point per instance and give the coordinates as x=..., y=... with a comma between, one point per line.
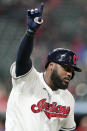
x=65, y=25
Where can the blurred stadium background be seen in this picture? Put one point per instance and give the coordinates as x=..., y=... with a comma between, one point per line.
x=65, y=25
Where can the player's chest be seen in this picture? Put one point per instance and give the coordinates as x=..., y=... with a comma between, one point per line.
x=46, y=105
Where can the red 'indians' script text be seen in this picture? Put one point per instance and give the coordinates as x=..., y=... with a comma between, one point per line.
x=51, y=110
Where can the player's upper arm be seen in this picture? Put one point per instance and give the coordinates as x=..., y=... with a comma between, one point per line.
x=25, y=80
x=22, y=69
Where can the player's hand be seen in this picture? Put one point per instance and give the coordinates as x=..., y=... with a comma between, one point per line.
x=34, y=19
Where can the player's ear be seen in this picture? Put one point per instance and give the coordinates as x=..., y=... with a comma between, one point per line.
x=51, y=65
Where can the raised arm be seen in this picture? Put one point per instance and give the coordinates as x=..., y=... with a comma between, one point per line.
x=23, y=61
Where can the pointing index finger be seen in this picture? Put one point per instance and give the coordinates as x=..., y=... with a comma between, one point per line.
x=41, y=8
x=28, y=11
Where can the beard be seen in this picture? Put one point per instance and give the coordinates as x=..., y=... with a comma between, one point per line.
x=57, y=81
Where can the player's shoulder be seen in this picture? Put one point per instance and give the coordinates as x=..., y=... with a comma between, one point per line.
x=23, y=81
x=32, y=72
x=66, y=94
x=69, y=95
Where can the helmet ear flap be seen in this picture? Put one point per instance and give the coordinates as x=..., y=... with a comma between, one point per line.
x=73, y=74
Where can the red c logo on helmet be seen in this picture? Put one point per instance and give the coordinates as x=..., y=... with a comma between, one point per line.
x=74, y=59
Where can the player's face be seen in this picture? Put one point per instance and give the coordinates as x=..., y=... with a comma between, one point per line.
x=61, y=76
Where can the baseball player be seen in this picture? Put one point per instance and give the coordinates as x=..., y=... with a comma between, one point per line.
x=41, y=101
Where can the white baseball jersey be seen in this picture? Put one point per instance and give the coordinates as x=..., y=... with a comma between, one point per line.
x=33, y=106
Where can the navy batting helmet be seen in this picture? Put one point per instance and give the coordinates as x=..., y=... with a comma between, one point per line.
x=63, y=57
